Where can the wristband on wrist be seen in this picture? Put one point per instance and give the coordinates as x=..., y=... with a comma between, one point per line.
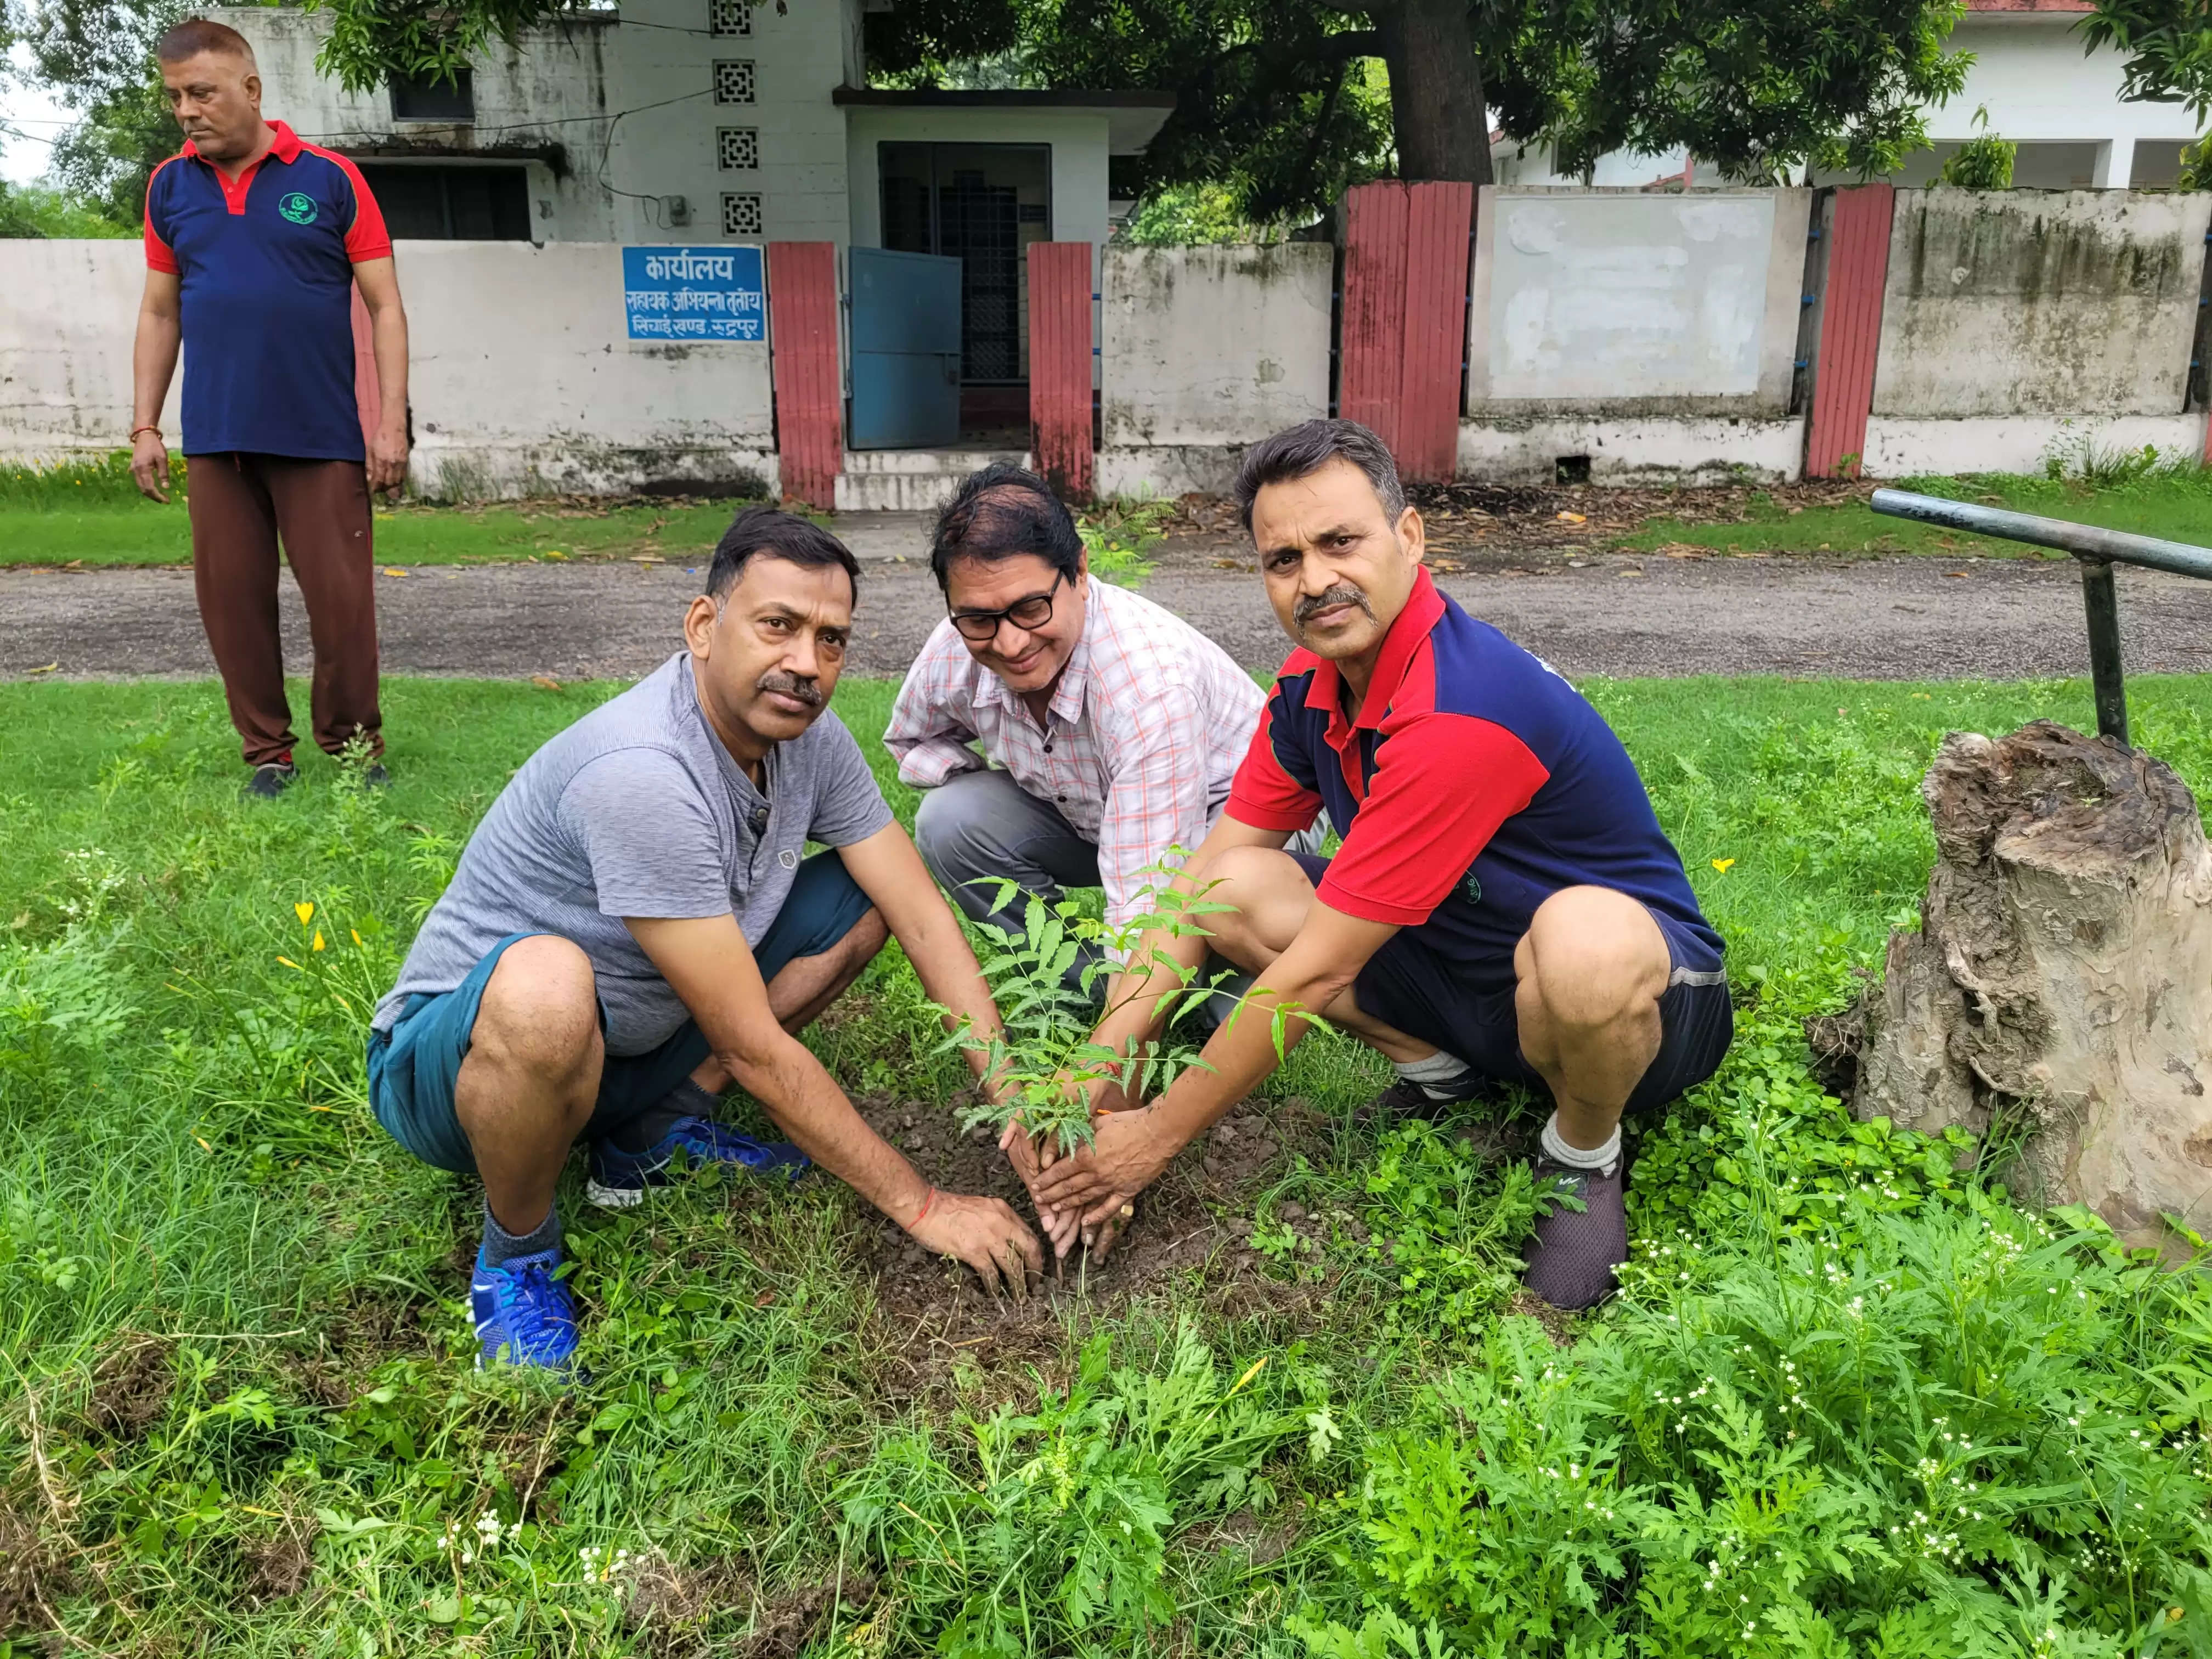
x=927, y=1204
x=136, y=430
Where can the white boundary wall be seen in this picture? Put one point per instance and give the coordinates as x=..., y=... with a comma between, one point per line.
x=68, y=311
x=521, y=378
x=1653, y=335
x=1204, y=350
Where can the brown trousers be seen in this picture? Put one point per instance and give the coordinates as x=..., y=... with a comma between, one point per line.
x=241, y=506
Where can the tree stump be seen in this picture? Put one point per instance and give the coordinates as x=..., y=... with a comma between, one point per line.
x=2063, y=972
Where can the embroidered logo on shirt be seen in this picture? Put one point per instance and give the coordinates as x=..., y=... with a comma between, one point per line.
x=788, y=858
x=299, y=208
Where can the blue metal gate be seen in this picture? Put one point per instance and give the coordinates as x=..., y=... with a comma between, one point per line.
x=906, y=350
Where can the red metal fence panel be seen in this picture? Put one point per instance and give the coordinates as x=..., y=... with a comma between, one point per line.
x=1373, y=336
x=1060, y=364
x=1437, y=250
x=1851, y=330
x=802, y=304
x=1404, y=339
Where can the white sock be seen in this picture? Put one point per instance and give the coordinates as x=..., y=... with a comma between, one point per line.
x=1441, y=1075
x=1578, y=1157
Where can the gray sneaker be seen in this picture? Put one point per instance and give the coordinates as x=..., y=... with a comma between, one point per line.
x=1583, y=1240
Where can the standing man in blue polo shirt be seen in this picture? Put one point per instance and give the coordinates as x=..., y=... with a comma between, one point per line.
x=254, y=241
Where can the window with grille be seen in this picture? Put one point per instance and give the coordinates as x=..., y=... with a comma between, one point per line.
x=737, y=149
x=454, y=101
x=741, y=214
x=733, y=81
x=730, y=16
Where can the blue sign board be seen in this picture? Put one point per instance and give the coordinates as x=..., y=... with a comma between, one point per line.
x=694, y=293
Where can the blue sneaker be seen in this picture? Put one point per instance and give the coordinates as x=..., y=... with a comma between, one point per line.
x=618, y=1179
x=523, y=1315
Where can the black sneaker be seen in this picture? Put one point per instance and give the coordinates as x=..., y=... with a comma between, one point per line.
x=1407, y=1099
x=1580, y=1245
x=373, y=776
x=270, y=779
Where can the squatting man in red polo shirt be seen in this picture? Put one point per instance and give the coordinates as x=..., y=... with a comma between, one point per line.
x=1505, y=905
x=254, y=241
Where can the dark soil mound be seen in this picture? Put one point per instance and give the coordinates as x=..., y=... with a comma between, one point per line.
x=1193, y=1220
x=130, y=1390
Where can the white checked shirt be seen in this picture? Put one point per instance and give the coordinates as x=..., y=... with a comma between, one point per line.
x=1146, y=729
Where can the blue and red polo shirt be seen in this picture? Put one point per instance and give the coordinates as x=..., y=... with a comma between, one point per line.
x=1474, y=784
x=266, y=268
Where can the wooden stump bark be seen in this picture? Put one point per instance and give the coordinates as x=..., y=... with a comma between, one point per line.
x=2063, y=972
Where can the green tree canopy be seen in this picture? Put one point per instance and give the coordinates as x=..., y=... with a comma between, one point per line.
x=98, y=55
x=1287, y=101
x=1283, y=101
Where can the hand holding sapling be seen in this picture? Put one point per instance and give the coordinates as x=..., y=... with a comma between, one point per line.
x=1045, y=1074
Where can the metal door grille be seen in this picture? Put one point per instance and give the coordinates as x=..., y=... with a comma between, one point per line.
x=977, y=224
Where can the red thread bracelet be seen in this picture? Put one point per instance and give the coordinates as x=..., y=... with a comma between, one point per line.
x=926, y=1205
x=136, y=430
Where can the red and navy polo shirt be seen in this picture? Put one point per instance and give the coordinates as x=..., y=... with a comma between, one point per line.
x=266, y=268
x=1474, y=784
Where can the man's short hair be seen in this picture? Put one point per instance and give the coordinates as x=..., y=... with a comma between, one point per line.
x=764, y=532
x=1300, y=451
x=1002, y=513
x=195, y=35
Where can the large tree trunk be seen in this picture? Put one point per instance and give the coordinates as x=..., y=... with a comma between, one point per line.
x=2063, y=971
x=1437, y=104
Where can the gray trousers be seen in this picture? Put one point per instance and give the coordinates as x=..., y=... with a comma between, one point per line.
x=982, y=830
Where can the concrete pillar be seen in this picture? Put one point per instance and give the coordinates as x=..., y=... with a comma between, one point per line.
x=2115, y=164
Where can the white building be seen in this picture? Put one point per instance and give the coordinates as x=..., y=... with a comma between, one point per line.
x=2062, y=106
x=694, y=121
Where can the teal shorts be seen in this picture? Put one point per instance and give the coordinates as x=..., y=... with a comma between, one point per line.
x=413, y=1067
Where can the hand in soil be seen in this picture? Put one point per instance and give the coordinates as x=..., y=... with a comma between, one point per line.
x=1099, y=1241
x=1029, y=1162
x=1125, y=1157
x=986, y=1235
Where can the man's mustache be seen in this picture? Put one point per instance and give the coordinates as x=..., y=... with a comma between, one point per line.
x=807, y=691
x=1342, y=593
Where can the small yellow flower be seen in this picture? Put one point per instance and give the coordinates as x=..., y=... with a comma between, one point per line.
x=288, y=962
x=318, y=944
x=305, y=912
x=1722, y=864
x=355, y=931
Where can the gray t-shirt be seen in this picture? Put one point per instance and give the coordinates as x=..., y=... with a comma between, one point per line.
x=637, y=810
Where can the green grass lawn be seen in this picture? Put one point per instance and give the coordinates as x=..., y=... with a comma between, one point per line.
x=89, y=514
x=142, y=533
x=2177, y=507
x=1852, y=1402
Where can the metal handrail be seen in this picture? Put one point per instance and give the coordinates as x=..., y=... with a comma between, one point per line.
x=2097, y=548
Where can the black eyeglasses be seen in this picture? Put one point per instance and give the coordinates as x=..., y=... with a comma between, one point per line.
x=1034, y=612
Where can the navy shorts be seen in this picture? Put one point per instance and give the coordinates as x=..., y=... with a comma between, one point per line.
x=1466, y=1008
x=413, y=1067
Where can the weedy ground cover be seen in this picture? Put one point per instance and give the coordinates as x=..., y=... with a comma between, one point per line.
x=1851, y=1401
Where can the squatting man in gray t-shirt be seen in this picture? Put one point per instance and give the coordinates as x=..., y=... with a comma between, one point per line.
x=635, y=926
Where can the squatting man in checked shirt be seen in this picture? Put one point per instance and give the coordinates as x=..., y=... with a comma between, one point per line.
x=1111, y=728
x=1505, y=905
x=635, y=926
